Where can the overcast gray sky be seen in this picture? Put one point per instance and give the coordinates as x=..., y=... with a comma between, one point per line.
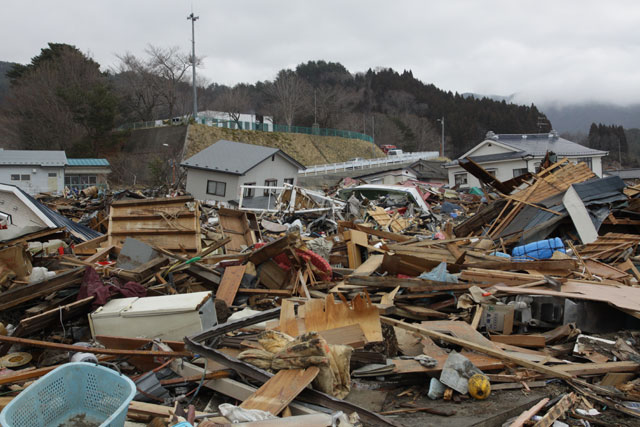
x=545, y=51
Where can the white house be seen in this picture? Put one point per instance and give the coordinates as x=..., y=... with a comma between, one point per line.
x=388, y=177
x=34, y=171
x=509, y=155
x=217, y=172
x=252, y=121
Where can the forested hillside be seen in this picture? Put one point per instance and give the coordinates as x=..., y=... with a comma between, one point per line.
x=63, y=99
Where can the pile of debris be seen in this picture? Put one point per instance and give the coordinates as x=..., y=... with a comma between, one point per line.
x=515, y=304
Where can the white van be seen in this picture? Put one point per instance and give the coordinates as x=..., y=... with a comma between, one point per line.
x=394, y=152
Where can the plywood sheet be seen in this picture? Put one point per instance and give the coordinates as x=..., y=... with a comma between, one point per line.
x=230, y=283
x=280, y=390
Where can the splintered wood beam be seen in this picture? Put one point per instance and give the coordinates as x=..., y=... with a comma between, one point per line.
x=498, y=354
x=81, y=349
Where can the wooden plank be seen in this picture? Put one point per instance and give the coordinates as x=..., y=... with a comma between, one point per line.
x=563, y=405
x=271, y=292
x=368, y=267
x=379, y=233
x=17, y=296
x=154, y=410
x=526, y=415
x=613, y=378
x=579, y=369
x=535, y=341
x=227, y=386
x=230, y=283
x=274, y=395
x=351, y=335
x=25, y=375
x=76, y=348
x=499, y=354
x=409, y=366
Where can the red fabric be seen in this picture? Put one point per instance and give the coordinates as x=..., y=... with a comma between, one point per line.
x=92, y=285
x=320, y=263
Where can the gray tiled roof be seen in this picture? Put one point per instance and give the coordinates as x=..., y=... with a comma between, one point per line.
x=233, y=157
x=33, y=157
x=536, y=144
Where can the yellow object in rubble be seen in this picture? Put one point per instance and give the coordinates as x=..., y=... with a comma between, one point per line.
x=479, y=386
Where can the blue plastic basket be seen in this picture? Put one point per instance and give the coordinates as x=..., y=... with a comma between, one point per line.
x=81, y=391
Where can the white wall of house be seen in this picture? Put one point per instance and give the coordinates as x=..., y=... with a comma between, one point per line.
x=21, y=215
x=505, y=170
x=390, y=177
x=197, y=180
x=34, y=179
x=490, y=148
x=277, y=169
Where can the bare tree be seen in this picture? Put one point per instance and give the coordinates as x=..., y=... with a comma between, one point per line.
x=234, y=101
x=171, y=66
x=140, y=87
x=288, y=91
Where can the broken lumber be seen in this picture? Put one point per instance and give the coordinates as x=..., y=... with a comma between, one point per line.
x=81, y=349
x=499, y=354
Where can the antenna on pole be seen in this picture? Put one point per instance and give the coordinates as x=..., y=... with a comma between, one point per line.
x=193, y=19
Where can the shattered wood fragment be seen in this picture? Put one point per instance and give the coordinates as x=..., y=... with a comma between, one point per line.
x=526, y=415
x=499, y=354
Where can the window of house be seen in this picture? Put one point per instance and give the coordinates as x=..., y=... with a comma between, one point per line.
x=273, y=158
x=288, y=181
x=216, y=188
x=52, y=174
x=15, y=177
x=537, y=166
x=520, y=171
x=25, y=177
x=586, y=160
x=92, y=179
x=461, y=178
x=249, y=192
x=270, y=183
x=491, y=172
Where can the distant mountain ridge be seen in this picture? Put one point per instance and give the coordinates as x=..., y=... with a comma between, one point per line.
x=578, y=117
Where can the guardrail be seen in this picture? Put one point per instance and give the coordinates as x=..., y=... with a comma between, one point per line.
x=367, y=163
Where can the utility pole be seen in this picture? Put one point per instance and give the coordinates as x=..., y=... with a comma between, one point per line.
x=442, y=123
x=373, y=134
x=193, y=19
